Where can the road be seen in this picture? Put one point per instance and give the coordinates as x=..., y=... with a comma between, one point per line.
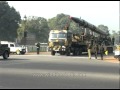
x=57, y=72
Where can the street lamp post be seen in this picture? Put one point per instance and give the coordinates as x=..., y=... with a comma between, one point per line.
x=25, y=31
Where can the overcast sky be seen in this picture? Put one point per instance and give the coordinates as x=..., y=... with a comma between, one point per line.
x=95, y=12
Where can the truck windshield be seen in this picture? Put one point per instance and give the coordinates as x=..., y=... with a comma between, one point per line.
x=58, y=35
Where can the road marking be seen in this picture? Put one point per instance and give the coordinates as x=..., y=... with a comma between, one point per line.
x=60, y=73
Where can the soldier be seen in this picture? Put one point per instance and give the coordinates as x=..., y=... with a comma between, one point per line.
x=101, y=51
x=89, y=50
x=38, y=47
x=96, y=50
x=82, y=36
x=92, y=39
x=99, y=40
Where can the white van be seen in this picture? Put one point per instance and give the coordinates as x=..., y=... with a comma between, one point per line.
x=15, y=48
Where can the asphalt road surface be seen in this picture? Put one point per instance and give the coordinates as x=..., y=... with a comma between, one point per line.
x=57, y=72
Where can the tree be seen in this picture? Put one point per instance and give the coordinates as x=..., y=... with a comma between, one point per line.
x=9, y=22
x=60, y=21
x=36, y=25
x=116, y=35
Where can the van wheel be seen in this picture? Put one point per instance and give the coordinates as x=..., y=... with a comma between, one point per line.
x=5, y=55
x=18, y=52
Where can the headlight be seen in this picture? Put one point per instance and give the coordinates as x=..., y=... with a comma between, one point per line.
x=63, y=47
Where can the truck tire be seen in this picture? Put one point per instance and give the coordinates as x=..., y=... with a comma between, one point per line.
x=75, y=52
x=80, y=51
x=5, y=55
x=22, y=52
x=52, y=52
x=68, y=52
x=61, y=53
x=119, y=58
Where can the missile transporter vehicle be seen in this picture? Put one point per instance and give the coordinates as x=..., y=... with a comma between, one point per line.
x=66, y=42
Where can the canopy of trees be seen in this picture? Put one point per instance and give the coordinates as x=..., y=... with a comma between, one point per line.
x=60, y=21
x=9, y=21
x=36, y=25
x=13, y=27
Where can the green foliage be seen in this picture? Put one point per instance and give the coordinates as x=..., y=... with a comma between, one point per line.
x=9, y=22
x=60, y=21
x=11, y=26
x=36, y=25
x=116, y=35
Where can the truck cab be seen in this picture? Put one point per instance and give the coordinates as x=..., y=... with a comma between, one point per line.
x=58, y=41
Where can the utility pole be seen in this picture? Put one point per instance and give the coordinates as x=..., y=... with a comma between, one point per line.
x=25, y=31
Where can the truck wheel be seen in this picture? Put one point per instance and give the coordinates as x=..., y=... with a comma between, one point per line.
x=52, y=52
x=75, y=52
x=80, y=51
x=18, y=52
x=68, y=52
x=119, y=58
x=5, y=55
x=61, y=53
x=22, y=53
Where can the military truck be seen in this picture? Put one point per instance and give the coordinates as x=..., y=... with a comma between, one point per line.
x=66, y=42
x=95, y=35
x=59, y=41
x=4, y=51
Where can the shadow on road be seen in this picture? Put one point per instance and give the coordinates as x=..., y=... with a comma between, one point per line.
x=12, y=59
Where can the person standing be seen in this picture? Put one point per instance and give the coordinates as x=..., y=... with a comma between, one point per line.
x=96, y=49
x=89, y=50
x=38, y=47
x=101, y=51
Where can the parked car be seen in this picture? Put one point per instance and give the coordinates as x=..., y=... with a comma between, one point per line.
x=4, y=51
x=15, y=48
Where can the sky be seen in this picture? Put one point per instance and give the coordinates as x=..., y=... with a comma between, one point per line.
x=94, y=12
